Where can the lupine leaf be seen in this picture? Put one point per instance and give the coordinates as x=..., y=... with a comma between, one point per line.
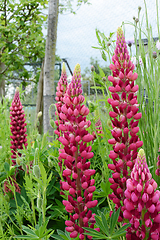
x=95, y=234
x=99, y=223
x=28, y=230
x=121, y=231
x=62, y=234
x=114, y=219
x=104, y=220
x=57, y=237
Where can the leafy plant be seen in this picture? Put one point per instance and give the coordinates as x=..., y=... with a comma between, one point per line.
x=39, y=232
x=108, y=229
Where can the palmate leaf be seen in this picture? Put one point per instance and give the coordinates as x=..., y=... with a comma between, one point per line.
x=101, y=225
x=104, y=221
x=95, y=234
x=62, y=234
x=107, y=229
x=121, y=231
x=113, y=220
x=29, y=231
x=55, y=236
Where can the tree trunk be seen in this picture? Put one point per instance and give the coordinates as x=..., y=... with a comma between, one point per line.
x=2, y=82
x=48, y=87
x=39, y=103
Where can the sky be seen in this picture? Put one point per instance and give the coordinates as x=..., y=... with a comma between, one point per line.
x=76, y=33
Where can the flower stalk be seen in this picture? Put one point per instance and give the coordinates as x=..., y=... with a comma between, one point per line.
x=78, y=186
x=142, y=205
x=125, y=118
x=18, y=127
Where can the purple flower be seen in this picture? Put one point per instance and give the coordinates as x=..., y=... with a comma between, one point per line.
x=130, y=42
x=142, y=205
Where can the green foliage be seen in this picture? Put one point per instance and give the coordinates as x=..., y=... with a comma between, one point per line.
x=63, y=235
x=39, y=232
x=66, y=6
x=148, y=70
x=5, y=152
x=33, y=206
x=149, y=92
x=108, y=228
x=21, y=35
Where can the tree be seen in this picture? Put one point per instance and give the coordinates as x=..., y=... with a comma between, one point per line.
x=21, y=37
x=49, y=89
x=49, y=63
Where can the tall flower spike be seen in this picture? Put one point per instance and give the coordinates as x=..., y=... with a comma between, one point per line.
x=18, y=126
x=158, y=164
x=125, y=118
x=61, y=90
x=142, y=205
x=77, y=175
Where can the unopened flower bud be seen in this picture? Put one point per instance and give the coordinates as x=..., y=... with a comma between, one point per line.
x=36, y=171
x=18, y=161
x=92, y=68
x=39, y=114
x=39, y=203
x=154, y=54
x=52, y=123
x=139, y=8
x=136, y=20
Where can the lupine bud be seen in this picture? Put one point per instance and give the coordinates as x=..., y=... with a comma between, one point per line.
x=141, y=207
x=36, y=171
x=39, y=203
x=124, y=114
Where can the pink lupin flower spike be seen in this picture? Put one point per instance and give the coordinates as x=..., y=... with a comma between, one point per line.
x=158, y=165
x=141, y=203
x=75, y=154
x=99, y=129
x=61, y=90
x=18, y=126
x=125, y=118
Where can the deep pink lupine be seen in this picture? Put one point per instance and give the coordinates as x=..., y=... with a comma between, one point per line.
x=158, y=165
x=141, y=203
x=75, y=154
x=18, y=126
x=99, y=129
x=61, y=89
x=125, y=118
x=12, y=180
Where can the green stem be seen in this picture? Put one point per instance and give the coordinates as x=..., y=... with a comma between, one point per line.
x=44, y=205
x=33, y=209
x=157, y=18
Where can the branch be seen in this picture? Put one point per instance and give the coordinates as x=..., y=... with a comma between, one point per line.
x=20, y=79
x=4, y=70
